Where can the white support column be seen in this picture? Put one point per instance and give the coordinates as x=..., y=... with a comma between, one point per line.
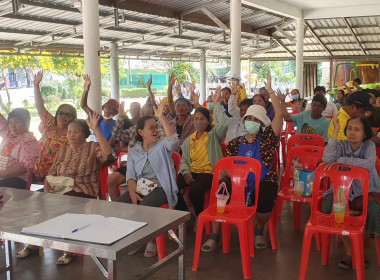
x=91, y=44
x=115, y=83
x=249, y=78
x=299, y=55
x=331, y=74
x=202, y=79
x=235, y=25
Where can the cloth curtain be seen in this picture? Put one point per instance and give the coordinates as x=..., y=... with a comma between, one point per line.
x=310, y=78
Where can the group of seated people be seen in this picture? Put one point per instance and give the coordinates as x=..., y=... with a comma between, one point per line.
x=248, y=127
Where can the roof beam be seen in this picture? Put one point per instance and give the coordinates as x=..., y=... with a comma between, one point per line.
x=284, y=47
x=192, y=10
x=254, y=14
x=354, y=35
x=215, y=19
x=317, y=38
x=43, y=19
x=287, y=36
x=350, y=11
x=276, y=7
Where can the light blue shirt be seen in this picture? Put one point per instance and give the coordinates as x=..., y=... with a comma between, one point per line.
x=320, y=126
x=160, y=158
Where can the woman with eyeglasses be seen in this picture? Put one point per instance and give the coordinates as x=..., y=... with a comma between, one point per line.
x=53, y=129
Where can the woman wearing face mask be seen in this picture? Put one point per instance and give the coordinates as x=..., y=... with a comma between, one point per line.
x=200, y=152
x=259, y=143
x=297, y=102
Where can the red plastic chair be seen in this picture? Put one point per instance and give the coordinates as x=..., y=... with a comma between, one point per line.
x=341, y=176
x=305, y=139
x=160, y=240
x=119, y=157
x=329, y=117
x=284, y=136
x=310, y=157
x=235, y=212
x=103, y=177
x=378, y=152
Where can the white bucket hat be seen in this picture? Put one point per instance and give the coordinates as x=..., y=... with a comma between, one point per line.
x=235, y=76
x=258, y=112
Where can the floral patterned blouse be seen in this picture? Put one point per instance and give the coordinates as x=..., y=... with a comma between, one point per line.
x=268, y=145
x=50, y=144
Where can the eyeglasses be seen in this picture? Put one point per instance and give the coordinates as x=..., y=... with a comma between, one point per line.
x=64, y=114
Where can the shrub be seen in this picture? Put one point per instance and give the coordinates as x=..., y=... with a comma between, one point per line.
x=106, y=91
x=136, y=92
x=49, y=93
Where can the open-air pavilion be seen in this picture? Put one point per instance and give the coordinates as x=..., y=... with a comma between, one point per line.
x=204, y=31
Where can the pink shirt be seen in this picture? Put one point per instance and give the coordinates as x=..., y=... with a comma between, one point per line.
x=20, y=150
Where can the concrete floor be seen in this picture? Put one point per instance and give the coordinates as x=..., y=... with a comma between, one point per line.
x=281, y=264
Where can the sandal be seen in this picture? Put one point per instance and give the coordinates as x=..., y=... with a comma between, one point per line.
x=26, y=252
x=346, y=263
x=260, y=242
x=65, y=259
x=209, y=246
x=150, y=250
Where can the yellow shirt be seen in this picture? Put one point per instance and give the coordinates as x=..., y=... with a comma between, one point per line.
x=343, y=118
x=200, y=162
x=243, y=93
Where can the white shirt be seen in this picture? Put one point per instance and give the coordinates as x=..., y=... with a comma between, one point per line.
x=330, y=110
x=236, y=126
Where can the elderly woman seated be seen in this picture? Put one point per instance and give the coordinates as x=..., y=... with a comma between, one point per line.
x=75, y=170
x=19, y=149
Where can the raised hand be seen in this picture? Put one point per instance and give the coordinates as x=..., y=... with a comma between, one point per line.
x=93, y=120
x=159, y=109
x=194, y=98
x=268, y=84
x=87, y=83
x=280, y=95
x=122, y=112
x=171, y=79
x=192, y=88
x=149, y=83
x=38, y=78
x=336, y=123
x=218, y=93
x=178, y=88
x=234, y=88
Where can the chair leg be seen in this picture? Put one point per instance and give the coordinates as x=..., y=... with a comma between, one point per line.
x=358, y=252
x=226, y=237
x=325, y=248
x=208, y=228
x=297, y=215
x=198, y=243
x=161, y=248
x=251, y=239
x=244, y=249
x=272, y=231
x=377, y=242
x=307, y=237
x=318, y=241
x=278, y=209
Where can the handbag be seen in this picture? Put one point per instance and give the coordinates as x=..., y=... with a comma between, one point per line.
x=145, y=186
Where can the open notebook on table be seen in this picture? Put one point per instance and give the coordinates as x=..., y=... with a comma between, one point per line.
x=85, y=227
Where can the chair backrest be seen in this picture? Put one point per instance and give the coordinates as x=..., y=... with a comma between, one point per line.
x=310, y=157
x=329, y=117
x=341, y=176
x=305, y=139
x=177, y=162
x=119, y=156
x=238, y=168
x=292, y=111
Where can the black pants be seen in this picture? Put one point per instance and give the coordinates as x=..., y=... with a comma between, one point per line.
x=13, y=182
x=202, y=183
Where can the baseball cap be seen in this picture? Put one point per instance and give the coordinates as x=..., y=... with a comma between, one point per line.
x=361, y=100
x=112, y=103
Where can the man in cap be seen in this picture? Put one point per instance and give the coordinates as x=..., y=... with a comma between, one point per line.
x=110, y=109
x=358, y=104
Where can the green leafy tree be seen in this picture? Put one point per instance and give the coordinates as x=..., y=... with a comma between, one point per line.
x=179, y=70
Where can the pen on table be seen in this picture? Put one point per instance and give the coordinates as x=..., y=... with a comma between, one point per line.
x=80, y=228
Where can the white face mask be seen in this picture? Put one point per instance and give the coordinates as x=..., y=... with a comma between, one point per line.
x=107, y=118
x=296, y=96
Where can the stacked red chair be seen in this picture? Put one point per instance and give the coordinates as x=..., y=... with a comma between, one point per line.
x=310, y=157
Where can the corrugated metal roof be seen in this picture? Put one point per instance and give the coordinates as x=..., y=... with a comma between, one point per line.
x=49, y=24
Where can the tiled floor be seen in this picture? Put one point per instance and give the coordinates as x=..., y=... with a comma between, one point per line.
x=282, y=264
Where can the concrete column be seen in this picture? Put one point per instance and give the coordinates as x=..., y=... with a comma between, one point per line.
x=299, y=55
x=202, y=79
x=91, y=44
x=235, y=25
x=331, y=74
x=249, y=78
x=115, y=82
